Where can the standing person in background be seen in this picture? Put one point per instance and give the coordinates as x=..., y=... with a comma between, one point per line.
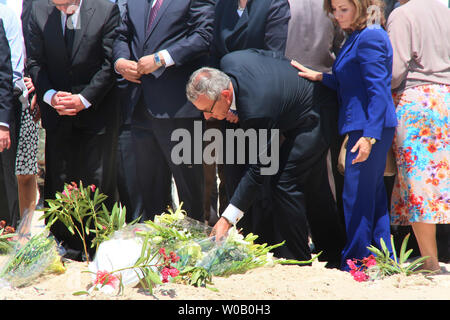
x=421, y=83
x=362, y=76
x=314, y=41
x=69, y=59
x=239, y=25
x=6, y=116
x=26, y=168
x=159, y=44
x=10, y=195
x=128, y=189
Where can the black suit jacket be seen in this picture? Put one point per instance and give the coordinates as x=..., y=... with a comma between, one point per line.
x=88, y=71
x=6, y=78
x=184, y=29
x=270, y=95
x=263, y=25
x=25, y=17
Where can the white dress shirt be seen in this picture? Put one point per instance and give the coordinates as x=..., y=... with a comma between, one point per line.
x=13, y=32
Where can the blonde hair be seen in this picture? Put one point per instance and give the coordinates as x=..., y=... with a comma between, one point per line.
x=368, y=12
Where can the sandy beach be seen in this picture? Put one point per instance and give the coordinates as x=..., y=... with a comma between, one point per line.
x=267, y=283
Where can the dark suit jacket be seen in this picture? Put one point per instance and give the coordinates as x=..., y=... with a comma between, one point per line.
x=25, y=17
x=263, y=25
x=184, y=29
x=88, y=71
x=270, y=95
x=6, y=78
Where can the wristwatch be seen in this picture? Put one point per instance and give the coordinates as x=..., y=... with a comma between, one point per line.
x=371, y=140
x=158, y=61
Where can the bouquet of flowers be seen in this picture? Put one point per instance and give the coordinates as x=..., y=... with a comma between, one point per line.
x=28, y=262
x=194, y=256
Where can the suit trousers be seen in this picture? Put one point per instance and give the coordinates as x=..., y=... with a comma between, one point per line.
x=365, y=199
x=127, y=183
x=74, y=154
x=155, y=168
x=9, y=196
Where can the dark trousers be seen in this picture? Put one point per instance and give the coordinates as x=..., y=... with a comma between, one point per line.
x=155, y=168
x=130, y=194
x=74, y=154
x=9, y=196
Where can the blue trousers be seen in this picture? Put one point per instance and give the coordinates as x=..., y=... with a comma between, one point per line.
x=365, y=199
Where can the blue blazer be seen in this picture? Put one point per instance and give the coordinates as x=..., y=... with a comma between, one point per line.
x=183, y=28
x=362, y=76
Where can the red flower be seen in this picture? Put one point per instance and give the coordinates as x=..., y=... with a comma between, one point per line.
x=105, y=278
x=92, y=187
x=351, y=264
x=174, y=272
x=360, y=276
x=432, y=148
x=369, y=261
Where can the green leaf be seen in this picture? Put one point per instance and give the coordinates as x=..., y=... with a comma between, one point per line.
x=403, y=258
x=80, y=293
x=154, y=277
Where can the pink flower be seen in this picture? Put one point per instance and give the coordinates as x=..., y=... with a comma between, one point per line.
x=370, y=261
x=351, y=264
x=92, y=187
x=173, y=272
x=165, y=272
x=104, y=278
x=360, y=276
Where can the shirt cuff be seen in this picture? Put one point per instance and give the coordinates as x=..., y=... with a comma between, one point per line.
x=86, y=103
x=167, y=58
x=232, y=214
x=4, y=124
x=48, y=96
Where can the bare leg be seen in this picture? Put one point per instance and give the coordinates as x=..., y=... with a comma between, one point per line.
x=426, y=238
x=27, y=193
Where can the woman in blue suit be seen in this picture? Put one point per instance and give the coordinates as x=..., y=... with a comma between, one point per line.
x=362, y=78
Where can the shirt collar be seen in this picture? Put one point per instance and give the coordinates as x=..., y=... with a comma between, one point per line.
x=233, y=102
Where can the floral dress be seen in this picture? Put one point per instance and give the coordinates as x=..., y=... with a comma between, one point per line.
x=421, y=145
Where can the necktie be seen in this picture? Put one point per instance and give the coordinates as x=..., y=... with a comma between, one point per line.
x=153, y=12
x=69, y=34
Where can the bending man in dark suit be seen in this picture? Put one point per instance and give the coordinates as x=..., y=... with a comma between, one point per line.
x=159, y=44
x=263, y=89
x=70, y=63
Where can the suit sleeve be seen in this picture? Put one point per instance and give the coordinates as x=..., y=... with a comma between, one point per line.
x=36, y=61
x=277, y=26
x=199, y=36
x=104, y=79
x=121, y=45
x=372, y=55
x=6, y=79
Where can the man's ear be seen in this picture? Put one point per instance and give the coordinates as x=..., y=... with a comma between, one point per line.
x=227, y=94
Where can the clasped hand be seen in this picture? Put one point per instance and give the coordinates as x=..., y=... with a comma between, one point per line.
x=66, y=103
x=5, y=141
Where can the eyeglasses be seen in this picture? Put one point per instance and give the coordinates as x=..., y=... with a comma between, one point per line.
x=212, y=107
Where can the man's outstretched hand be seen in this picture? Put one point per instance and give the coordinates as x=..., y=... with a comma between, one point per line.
x=220, y=229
